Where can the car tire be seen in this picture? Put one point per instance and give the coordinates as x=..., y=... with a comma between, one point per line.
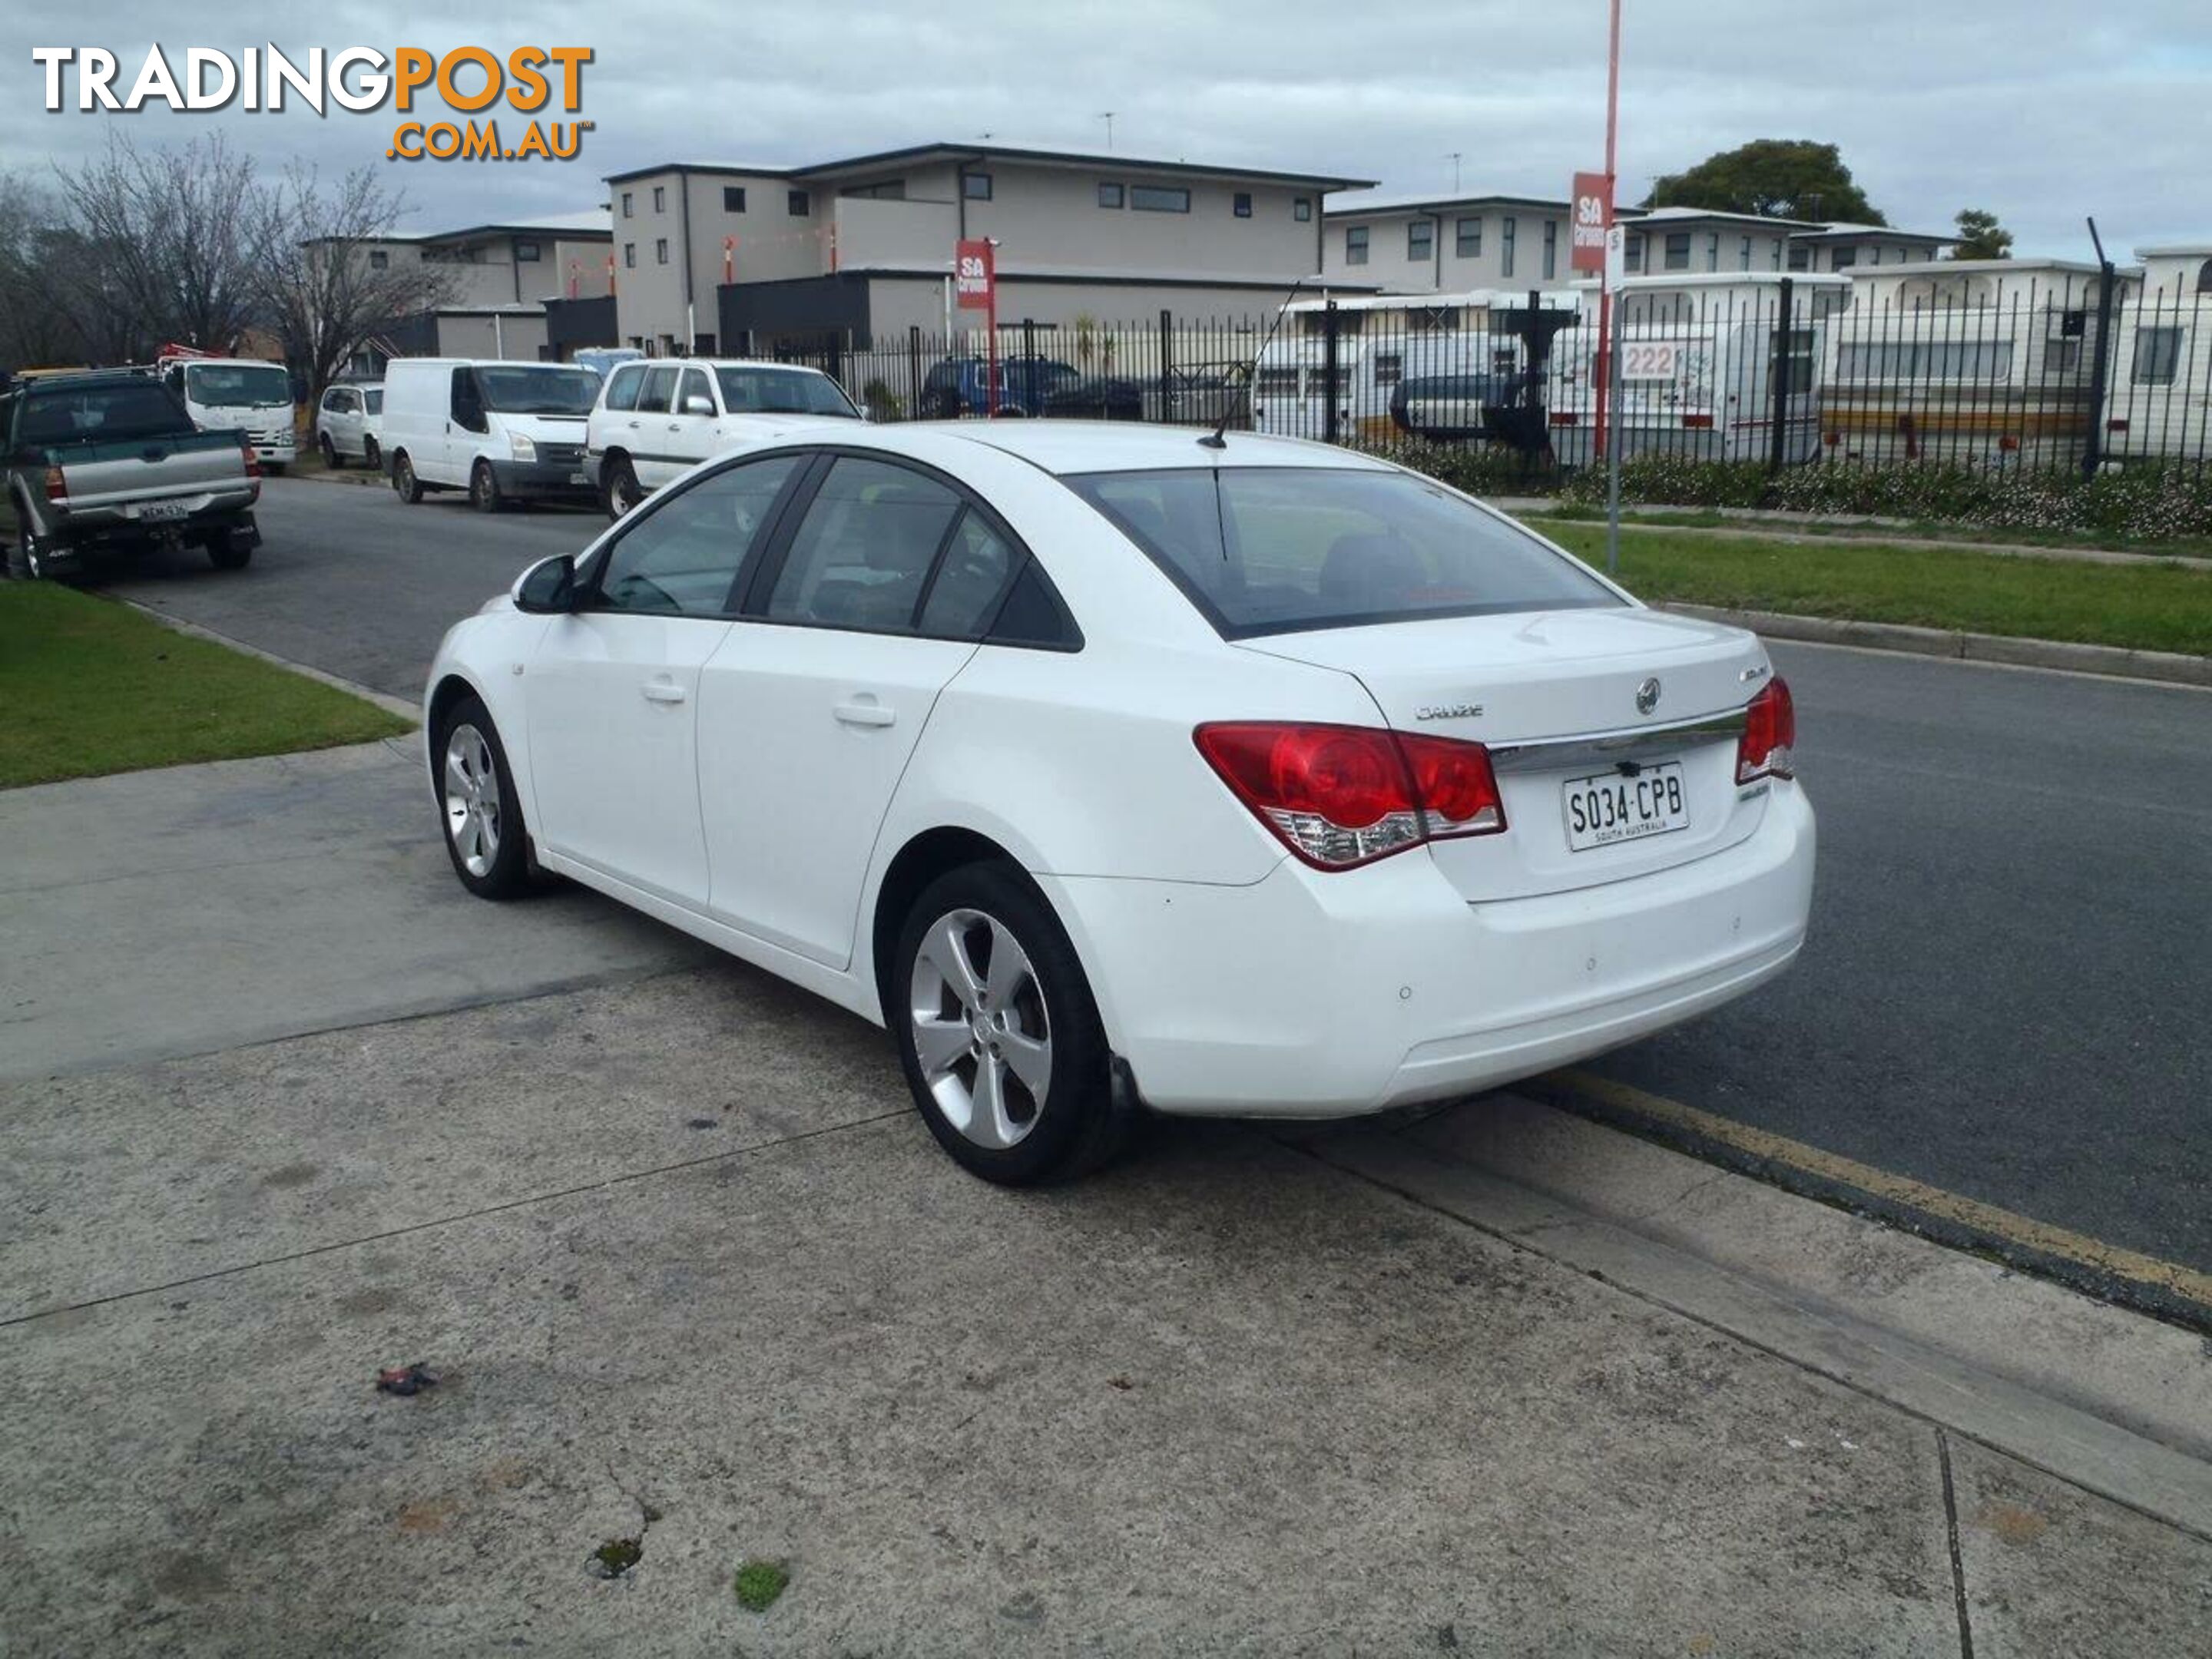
x=618, y=488
x=228, y=550
x=485, y=836
x=331, y=459
x=24, y=562
x=483, y=488
x=944, y=405
x=1005, y=1055
x=371, y=456
x=405, y=484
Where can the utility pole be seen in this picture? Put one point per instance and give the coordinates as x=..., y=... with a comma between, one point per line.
x=1107, y=116
x=1452, y=157
x=1606, y=331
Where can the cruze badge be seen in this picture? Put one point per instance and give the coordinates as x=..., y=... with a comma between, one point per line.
x=1647, y=697
x=1449, y=711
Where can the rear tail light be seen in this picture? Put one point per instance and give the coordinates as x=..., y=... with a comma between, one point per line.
x=1340, y=796
x=1698, y=422
x=253, y=460
x=1770, y=732
x=57, y=485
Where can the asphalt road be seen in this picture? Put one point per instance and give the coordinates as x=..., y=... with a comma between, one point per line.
x=2009, y=990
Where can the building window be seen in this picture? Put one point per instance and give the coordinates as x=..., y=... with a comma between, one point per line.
x=890, y=190
x=2204, y=277
x=1421, y=240
x=1109, y=196
x=1301, y=210
x=661, y=198
x=2158, y=355
x=1631, y=251
x=1355, y=244
x=1241, y=205
x=1466, y=239
x=526, y=253
x=1678, y=249
x=1550, y=249
x=799, y=203
x=660, y=251
x=976, y=186
x=1159, y=198
x=629, y=256
x=733, y=199
x=1774, y=256
x=1507, y=232
x=1743, y=255
x=1845, y=258
x=1800, y=258
x=1713, y=251
x=628, y=202
x=380, y=261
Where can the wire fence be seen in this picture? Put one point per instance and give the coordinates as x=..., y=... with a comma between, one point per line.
x=2038, y=373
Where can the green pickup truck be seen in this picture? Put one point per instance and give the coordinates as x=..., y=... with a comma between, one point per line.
x=110, y=460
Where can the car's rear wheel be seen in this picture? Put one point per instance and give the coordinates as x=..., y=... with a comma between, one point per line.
x=998, y=1032
x=618, y=487
x=331, y=459
x=370, y=456
x=228, y=550
x=484, y=833
x=483, y=488
x=405, y=484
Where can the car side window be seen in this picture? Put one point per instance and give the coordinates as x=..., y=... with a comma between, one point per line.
x=681, y=558
x=621, y=390
x=658, y=391
x=863, y=549
x=964, y=594
x=694, y=385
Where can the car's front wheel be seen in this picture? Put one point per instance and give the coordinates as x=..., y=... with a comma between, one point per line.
x=405, y=484
x=484, y=833
x=998, y=1032
x=483, y=488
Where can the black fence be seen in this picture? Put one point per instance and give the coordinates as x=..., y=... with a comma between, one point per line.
x=1986, y=371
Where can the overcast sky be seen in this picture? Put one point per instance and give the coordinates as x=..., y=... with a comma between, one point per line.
x=2042, y=110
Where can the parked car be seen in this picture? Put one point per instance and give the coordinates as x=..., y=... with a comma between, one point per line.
x=961, y=386
x=346, y=423
x=502, y=431
x=655, y=420
x=1203, y=394
x=111, y=461
x=1100, y=398
x=1104, y=767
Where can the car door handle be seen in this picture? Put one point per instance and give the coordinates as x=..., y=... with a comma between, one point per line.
x=676, y=426
x=662, y=692
x=865, y=714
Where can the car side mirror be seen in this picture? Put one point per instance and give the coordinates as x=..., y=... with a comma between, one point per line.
x=548, y=587
x=695, y=404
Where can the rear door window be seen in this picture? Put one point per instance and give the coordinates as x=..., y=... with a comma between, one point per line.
x=1273, y=550
x=866, y=547
x=659, y=392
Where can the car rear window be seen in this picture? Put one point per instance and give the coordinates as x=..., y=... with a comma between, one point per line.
x=1278, y=549
x=118, y=411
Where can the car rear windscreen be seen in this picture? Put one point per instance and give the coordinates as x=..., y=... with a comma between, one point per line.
x=118, y=411
x=1276, y=549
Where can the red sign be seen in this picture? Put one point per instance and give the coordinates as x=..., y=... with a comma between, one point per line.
x=975, y=278
x=1590, y=219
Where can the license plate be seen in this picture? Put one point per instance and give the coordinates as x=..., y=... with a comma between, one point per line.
x=579, y=477
x=163, y=510
x=1608, y=807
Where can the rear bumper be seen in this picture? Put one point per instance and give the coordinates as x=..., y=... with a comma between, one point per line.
x=74, y=534
x=1315, y=995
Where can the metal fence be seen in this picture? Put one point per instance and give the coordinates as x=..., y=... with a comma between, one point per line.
x=2066, y=372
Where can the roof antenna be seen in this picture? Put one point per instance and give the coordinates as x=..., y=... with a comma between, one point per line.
x=1214, y=440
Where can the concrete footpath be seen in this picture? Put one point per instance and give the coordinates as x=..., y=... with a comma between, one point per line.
x=1489, y=1379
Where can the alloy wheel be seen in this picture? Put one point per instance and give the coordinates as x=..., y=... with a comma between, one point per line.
x=977, y=1016
x=473, y=799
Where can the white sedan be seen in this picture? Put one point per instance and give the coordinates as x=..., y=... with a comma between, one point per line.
x=1114, y=765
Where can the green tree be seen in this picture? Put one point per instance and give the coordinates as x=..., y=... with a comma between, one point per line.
x=1774, y=177
x=1981, y=237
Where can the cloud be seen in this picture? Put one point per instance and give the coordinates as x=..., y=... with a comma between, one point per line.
x=2034, y=110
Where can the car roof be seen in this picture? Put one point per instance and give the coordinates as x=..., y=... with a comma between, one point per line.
x=718, y=362
x=1061, y=448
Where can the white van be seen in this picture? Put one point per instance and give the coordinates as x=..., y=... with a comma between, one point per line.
x=239, y=394
x=502, y=431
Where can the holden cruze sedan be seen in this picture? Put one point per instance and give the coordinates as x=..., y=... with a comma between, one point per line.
x=1121, y=766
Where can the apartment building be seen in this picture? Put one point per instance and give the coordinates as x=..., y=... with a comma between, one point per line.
x=731, y=256
x=1842, y=246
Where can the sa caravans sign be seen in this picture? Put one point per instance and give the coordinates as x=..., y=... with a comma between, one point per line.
x=975, y=275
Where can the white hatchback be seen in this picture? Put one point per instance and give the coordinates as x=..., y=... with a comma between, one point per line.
x=656, y=420
x=1109, y=765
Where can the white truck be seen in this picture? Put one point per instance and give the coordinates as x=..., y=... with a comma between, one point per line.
x=239, y=394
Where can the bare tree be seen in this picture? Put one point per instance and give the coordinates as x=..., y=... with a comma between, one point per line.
x=164, y=244
x=329, y=292
x=32, y=332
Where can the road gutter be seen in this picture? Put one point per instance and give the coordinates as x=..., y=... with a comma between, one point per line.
x=384, y=700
